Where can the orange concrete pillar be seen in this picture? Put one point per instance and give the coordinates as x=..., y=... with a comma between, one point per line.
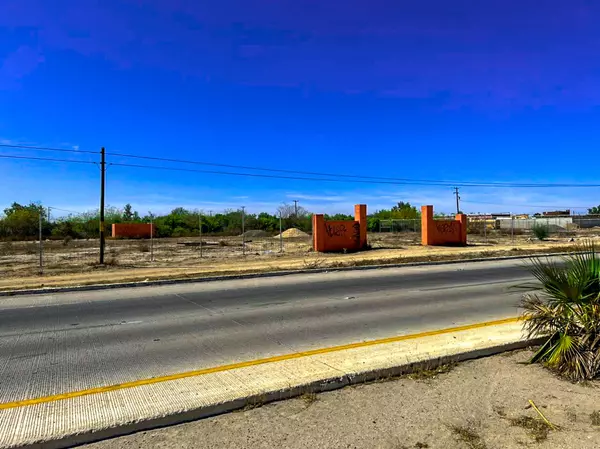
x=319, y=235
x=360, y=215
x=462, y=219
x=427, y=228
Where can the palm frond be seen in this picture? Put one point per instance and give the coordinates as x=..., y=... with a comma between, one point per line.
x=564, y=304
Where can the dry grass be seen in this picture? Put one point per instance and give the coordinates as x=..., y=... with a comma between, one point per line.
x=423, y=374
x=469, y=436
x=309, y=398
x=128, y=260
x=595, y=418
x=537, y=428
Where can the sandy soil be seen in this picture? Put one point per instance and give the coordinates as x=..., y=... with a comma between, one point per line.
x=75, y=263
x=481, y=404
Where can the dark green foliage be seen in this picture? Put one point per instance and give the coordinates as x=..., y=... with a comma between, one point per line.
x=540, y=231
x=565, y=307
x=22, y=222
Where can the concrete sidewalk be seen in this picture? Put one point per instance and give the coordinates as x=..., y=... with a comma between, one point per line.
x=88, y=415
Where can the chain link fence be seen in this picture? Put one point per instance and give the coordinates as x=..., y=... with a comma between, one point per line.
x=70, y=246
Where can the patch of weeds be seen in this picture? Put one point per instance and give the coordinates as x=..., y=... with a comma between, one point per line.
x=309, y=398
x=426, y=373
x=595, y=418
x=468, y=436
x=224, y=243
x=6, y=249
x=253, y=403
x=312, y=264
x=420, y=445
x=537, y=428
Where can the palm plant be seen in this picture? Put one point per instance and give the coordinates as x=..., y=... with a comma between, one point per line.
x=564, y=305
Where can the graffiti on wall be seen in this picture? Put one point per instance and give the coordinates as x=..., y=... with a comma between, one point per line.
x=341, y=235
x=446, y=227
x=335, y=230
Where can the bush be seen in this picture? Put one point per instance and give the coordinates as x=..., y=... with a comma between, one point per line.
x=541, y=232
x=565, y=308
x=180, y=232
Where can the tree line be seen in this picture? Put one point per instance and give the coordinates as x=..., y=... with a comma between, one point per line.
x=22, y=222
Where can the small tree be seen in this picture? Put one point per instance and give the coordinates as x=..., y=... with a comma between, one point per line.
x=540, y=231
x=594, y=210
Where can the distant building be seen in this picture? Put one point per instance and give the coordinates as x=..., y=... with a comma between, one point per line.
x=557, y=213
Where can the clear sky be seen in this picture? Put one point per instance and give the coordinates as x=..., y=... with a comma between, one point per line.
x=501, y=91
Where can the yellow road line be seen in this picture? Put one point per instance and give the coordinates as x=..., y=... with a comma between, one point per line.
x=232, y=366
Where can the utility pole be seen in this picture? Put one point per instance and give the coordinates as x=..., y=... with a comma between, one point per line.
x=102, y=189
x=457, y=200
x=295, y=208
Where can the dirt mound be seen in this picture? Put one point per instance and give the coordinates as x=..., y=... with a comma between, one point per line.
x=255, y=233
x=291, y=233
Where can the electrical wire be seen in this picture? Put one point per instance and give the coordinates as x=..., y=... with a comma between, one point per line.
x=349, y=178
x=49, y=159
x=28, y=147
x=526, y=205
x=402, y=180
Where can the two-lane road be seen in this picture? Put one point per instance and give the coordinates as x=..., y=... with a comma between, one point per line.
x=51, y=344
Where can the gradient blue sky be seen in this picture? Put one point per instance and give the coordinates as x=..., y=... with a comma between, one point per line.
x=462, y=90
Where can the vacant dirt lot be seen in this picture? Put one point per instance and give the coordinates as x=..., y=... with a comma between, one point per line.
x=482, y=404
x=75, y=262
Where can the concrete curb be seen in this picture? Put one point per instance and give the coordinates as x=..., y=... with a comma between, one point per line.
x=91, y=287
x=318, y=386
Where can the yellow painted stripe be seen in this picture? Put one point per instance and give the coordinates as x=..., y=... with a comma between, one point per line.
x=232, y=366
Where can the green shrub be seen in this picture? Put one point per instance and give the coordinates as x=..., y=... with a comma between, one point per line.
x=540, y=231
x=565, y=307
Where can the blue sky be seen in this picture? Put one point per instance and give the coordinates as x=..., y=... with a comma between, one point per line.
x=502, y=91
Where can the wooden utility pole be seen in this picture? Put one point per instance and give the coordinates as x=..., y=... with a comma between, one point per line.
x=457, y=200
x=102, y=190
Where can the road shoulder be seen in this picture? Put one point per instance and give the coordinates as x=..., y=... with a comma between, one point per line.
x=108, y=411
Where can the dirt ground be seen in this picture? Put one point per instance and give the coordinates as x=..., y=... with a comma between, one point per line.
x=481, y=404
x=75, y=262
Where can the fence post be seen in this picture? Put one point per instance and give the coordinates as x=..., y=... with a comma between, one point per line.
x=280, y=233
x=512, y=228
x=200, y=232
x=151, y=238
x=41, y=246
x=243, y=230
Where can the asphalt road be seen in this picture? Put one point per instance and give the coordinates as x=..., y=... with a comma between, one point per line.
x=51, y=344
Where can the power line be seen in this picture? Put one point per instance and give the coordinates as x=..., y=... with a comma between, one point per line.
x=257, y=175
x=49, y=159
x=63, y=210
x=361, y=180
x=299, y=172
x=527, y=205
x=28, y=147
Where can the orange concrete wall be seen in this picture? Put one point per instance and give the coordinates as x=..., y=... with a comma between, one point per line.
x=133, y=230
x=341, y=235
x=442, y=232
